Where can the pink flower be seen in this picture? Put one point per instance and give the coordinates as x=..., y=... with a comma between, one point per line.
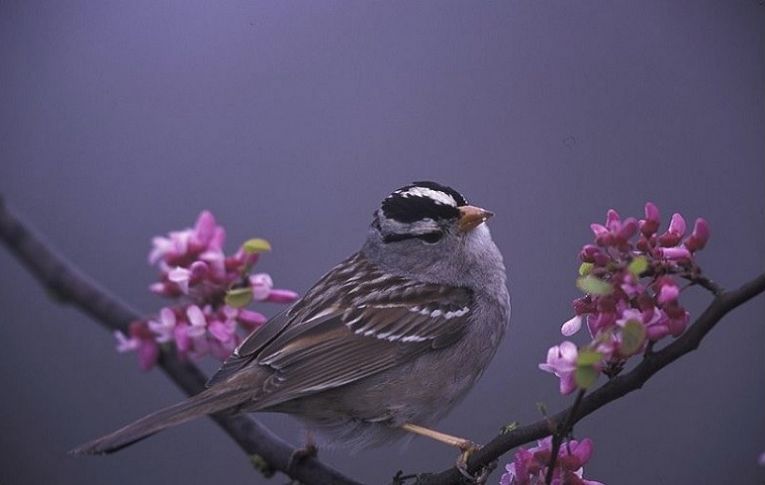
x=561, y=361
x=631, y=285
x=141, y=342
x=223, y=331
x=125, y=343
x=592, y=254
x=164, y=328
x=197, y=320
x=169, y=247
x=699, y=237
x=215, y=260
x=615, y=232
x=570, y=327
x=650, y=224
x=281, y=296
x=204, y=229
x=148, y=354
x=530, y=466
x=261, y=286
x=250, y=319
x=668, y=291
x=675, y=232
x=181, y=277
x=182, y=339
x=630, y=315
x=263, y=290
x=194, y=270
x=675, y=253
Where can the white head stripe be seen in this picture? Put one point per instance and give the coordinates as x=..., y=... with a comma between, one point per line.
x=423, y=226
x=436, y=195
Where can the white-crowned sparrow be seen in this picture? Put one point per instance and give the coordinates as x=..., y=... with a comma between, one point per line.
x=389, y=340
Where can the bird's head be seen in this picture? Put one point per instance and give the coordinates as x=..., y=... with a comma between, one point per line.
x=428, y=229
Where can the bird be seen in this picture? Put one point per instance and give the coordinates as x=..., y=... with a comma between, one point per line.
x=382, y=346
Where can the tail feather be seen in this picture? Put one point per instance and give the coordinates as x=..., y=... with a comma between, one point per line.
x=207, y=402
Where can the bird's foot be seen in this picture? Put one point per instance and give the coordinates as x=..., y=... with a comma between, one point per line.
x=308, y=450
x=467, y=448
x=300, y=454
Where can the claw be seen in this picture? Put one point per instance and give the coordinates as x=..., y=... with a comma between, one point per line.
x=467, y=448
x=309, y=450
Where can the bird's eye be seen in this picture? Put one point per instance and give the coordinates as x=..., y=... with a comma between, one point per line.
x=432, y=237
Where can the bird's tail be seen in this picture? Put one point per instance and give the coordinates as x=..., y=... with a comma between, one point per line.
x=210, y=401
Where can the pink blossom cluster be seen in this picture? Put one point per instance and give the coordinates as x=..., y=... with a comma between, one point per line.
x=210, y=292
x=530, y=466
x=629, y=277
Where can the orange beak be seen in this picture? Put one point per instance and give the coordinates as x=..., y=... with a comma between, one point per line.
x=471, y=217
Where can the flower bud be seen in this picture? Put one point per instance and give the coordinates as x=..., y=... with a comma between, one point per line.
x=199, y=271
x=675, y=232
x=675, y=254
x=204, y=229
x=668, y=291
x=628, y=229
x=699, y=237
x=588, y=252
x=613, y=221
x=650, y=224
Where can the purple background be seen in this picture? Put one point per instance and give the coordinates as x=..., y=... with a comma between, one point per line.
x=290, y=120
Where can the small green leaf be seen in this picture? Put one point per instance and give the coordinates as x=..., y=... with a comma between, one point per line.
x=586, y=376
x=262, y=465
x=588, y=358
x=256, y=245
x=638, y=266
x=633, y=336
x=594, y=286
x=239, y=297
x=542, y=408
x=585, y=268
x=509, y=427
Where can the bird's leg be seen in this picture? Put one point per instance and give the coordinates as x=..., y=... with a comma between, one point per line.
x=466, y=446
x=461, y=443
x=308, y=450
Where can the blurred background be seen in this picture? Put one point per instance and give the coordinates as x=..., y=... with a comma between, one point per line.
x=292, y=120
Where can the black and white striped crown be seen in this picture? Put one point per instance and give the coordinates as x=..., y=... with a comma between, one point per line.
x=422, y=200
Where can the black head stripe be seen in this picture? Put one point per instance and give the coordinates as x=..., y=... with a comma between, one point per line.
x=408, y=204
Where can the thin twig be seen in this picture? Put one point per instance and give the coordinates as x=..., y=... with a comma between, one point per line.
x=561, y=432
x=614, y=389
x=70, y=286
x=704, y=282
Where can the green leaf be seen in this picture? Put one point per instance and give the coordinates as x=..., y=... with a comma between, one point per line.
x=586, y=376
x=509, y=427
x=585, y=268
x=239, y=297
x=256, y=245
x=638, y=266
x=588, y=358
x=633, y=336
x=594, y=286
x=542, y=408
x=262, y=465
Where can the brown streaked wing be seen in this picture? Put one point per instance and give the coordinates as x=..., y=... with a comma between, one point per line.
x=344, y=329
x=357, y=343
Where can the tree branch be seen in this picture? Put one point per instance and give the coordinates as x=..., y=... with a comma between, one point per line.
x=724, y=302
x=267, y=451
